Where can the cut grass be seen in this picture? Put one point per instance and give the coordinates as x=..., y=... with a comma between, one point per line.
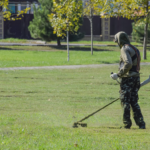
x=22, y=56
x=96, y=42
x=13, y=40
x=16, y=40
x=38, y=108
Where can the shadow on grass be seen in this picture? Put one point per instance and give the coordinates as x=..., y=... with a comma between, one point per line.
x=107, y=62
x=58, y=48
x=6, y=48
x=80, y=48
x=148, y=48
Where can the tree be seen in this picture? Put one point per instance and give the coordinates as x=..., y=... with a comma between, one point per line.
x=138, y=32
x=7, y=15
x=91, y=8
x=66, y=16
x=69, y=11
x=139, y=10
x=40, y=27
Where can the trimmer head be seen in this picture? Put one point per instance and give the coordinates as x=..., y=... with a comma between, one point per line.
x=75, y=125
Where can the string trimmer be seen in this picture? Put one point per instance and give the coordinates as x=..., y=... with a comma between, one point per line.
x=75, y=125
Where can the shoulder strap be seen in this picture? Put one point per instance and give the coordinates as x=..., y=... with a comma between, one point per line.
x=137, y=56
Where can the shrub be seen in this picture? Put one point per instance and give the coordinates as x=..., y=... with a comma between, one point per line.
x=76, y=36
x=138, y=32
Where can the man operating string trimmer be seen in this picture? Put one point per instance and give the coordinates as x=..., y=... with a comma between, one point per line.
x=129, y=76
x=129, y=83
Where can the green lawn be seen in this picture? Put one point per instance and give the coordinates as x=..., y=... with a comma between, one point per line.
x=17, y=56
x=96, y=42
x=16, y=40
x=39, y=107
x=13, y=40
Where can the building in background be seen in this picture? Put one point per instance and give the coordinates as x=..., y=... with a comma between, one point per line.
x=18, y=5
x=103, y=29
x=19, y=28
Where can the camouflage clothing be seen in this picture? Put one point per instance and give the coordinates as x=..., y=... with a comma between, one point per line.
x=130, y=80
x=127, y=60
x=129, y=97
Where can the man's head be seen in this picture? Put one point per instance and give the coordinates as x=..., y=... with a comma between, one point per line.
x=121, y=38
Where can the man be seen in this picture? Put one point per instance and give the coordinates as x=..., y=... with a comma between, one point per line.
x=129, y=68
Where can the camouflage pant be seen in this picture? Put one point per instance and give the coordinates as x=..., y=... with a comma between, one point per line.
x=129, y=98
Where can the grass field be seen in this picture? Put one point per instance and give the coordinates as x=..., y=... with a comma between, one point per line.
x=38, y=108
x=15, y=40
x=50, y=56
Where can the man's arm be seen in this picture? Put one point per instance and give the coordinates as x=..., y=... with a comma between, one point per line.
x=127, y=62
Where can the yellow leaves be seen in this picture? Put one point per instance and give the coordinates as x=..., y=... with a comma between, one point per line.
x=27, y=9
x=71, y=10
x=136, y=7
x=7, y=14
x=13, y=19
x=65, y=16
x=145, y=2
x=4, y=3
x=126, y=8
x=58, y=7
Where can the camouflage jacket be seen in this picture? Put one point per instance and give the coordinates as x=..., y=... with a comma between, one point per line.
x=129, y=59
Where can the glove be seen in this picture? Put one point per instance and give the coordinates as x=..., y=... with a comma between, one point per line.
x=114, y=76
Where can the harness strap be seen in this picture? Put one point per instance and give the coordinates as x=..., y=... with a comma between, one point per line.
x=134, y=57
x=137, y=55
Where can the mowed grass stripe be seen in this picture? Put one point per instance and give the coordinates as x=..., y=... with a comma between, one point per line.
x=22, y=56
x=38, y=108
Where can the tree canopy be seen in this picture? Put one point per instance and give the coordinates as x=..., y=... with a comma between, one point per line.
x=138, y=10
x=40, y=27
x=66, y=16
x=7, y=15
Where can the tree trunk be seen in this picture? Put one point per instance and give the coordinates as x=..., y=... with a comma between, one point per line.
x=145, y=34
x=58, y=41
x=91, y=23
x=145, y=41
x=68, y=45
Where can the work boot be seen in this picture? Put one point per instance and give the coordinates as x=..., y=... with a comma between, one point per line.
x=142, y=127
x=127, y=125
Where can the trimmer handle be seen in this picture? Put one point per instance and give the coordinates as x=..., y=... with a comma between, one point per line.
x=116, y=79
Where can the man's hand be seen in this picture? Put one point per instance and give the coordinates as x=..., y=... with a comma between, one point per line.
x=114, y=76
